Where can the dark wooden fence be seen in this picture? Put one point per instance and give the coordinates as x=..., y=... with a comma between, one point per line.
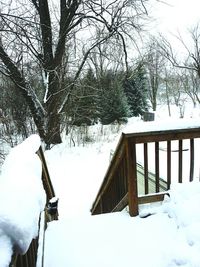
x=30, y=258
x=120, y=184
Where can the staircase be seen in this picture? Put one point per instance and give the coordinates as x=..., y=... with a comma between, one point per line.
x=130, y=183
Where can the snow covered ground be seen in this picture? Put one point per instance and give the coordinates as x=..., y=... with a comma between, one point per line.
x=168, y=238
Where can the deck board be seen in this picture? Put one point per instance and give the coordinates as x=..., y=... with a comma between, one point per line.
x=151, y=181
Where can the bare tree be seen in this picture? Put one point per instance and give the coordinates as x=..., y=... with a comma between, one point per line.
x=154, y=62
x=30, y=31
x=191, y=84
x=191, y=58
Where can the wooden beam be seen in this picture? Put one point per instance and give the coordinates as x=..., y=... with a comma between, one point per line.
x=116, y=160
x=146, y=180
x=157, y=175
x=45, y=176
x=165, y=135
x=151, y=198
x=168, y=164
x=191, y=159
x=122, y=204
x=141, y=200
x=132, y=178
x=180, y=162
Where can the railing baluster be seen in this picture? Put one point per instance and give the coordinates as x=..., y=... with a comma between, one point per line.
x=168, y=164
x=132, y=177
x=146, y=178
x=157, y=166
x=180, y=161
x=191, y=159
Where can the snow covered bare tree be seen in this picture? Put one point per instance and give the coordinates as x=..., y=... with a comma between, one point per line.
x=38, y=31
x=154, y=62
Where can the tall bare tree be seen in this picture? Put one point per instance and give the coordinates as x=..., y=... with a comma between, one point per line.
x=154, y=62
x=30, y=31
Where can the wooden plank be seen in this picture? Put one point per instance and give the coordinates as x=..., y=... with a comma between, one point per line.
x=165, y=135
x=146, y=183
x=191, y=159
x=119, y=154
x=141, y=200
x=157, y=171
x=151, y=181
x=132, y=178
x=151, y=198
x=180, y=161
x=122, y=204
x=168, y=164
x=45, y=176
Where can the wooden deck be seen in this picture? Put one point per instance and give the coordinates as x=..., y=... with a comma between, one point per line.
x=128, y=183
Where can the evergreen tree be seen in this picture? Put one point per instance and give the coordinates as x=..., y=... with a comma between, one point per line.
x=113, y=104
x=85, y=102
x=135, y=88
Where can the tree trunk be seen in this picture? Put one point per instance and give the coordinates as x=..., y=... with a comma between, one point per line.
x=29, y=95
x=53, y=133
x=53, y=126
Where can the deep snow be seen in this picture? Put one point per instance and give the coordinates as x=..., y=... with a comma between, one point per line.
x=22, y=198
x=168, y=238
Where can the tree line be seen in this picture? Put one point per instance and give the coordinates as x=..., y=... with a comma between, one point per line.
x=71, y=64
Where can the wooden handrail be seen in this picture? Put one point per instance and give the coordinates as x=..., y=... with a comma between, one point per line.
x=45, y=176
x=30, y=258
x=120, y=183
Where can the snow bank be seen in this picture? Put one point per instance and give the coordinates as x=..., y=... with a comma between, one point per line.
x=183, y=208
x=161, y=125
x=22, y=198
x=168, y=238
x=109, y=240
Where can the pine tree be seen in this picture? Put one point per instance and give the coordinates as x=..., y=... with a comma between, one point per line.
x=135, y=88
x=113, y=104
x=85, y=101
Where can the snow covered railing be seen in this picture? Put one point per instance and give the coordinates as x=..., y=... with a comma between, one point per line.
x=170, y=154
x=23, y=198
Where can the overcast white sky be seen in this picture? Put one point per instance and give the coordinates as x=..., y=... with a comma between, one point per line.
x=177, y=14
x=174, y=17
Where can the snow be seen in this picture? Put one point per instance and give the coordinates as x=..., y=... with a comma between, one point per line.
x=108, y=240
x=46, y=82
x=22, y=198
x=169, y=237
x=163, y=125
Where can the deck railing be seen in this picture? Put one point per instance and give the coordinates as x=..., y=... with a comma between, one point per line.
x=30, y=258
x=123, y=185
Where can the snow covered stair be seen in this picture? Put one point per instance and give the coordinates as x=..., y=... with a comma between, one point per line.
x=123, y=183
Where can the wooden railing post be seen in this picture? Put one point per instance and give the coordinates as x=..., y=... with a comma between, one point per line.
x=191, y=159
x=168, y=164
x=157, y=167
x=146, y=175
x=132, y=177
x=180, y=161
